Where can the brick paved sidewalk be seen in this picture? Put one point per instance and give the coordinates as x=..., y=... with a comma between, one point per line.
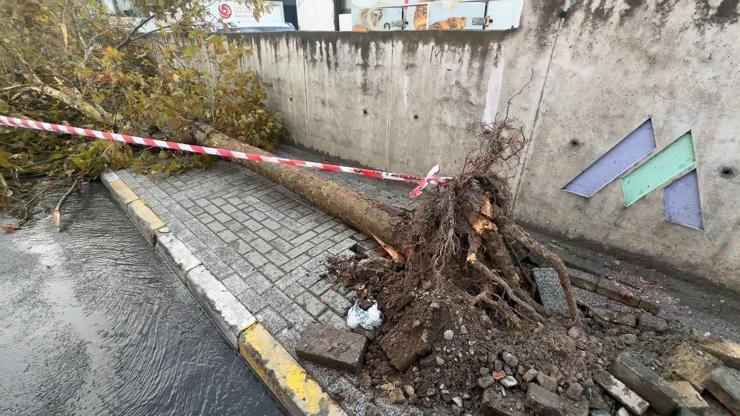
x=269, y=248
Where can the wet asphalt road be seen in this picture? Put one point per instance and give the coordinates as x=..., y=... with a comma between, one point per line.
x=92, y=322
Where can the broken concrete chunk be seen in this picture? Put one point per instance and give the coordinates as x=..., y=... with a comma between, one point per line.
x=724, y=384
x=582, y=279
x=646, y=383
x=493, y=404
x=333, y=348
x=617, y=291
x=602, y=315
x=551, y=293
x=727, y=351
x=543, y=402
x=690, y=398
x=650, y=322
x=689, y=365
x=631, y=400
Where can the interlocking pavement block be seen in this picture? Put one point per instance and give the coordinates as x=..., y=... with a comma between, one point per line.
x=645, y=382
x=331, y=347
x=689, y=365
x=724, y=384
x=622, y=393
x=145, y=219
x=551, y=293
x=542, y=401
x=727, y=351
x=175, y=253
x=690, y=398
x=224, y=309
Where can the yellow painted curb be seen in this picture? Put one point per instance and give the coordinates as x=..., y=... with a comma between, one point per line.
x=286, y=378
x=122, y=192
x=147, y=221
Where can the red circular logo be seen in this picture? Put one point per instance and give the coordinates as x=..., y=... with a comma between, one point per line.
x=224, y=10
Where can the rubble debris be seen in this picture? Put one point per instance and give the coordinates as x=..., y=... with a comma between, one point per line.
x=622, y=393
x=583, y=280
x=685, y=412
x=727, y=351
x=543, y=402
x=574, y=391
x=493, y=404
x=690, y=398
x=333, y=348
x=650, y=322
x=646, y=383
x=687, y=364
x=617, y=291
x=508, y=382
x=724, y=384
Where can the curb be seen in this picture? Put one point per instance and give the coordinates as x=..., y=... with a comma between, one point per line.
x=284, y=376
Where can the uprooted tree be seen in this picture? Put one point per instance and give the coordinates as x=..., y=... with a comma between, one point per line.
x=71, y=61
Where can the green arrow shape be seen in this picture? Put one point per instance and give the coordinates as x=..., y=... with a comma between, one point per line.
x=659, y=169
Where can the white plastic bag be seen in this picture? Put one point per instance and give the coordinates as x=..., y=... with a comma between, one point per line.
x=369, y=319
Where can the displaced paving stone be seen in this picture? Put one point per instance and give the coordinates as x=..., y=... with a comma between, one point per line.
x=645, y=382
x=622, y=393
x=551, y=293
x=543, y=402
x=690, y=398
x=650, y=322
x=689, y=365
x=727, y=351
x=333, y=348
x=724, y=384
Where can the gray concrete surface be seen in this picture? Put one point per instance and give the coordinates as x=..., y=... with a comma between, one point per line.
x=93, y=322
x=588, y=76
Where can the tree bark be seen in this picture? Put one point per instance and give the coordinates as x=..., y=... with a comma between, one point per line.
x=365, y=214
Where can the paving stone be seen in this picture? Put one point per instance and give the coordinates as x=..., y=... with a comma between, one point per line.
x=276, y=257
x=252, y=300
x=336, y=301
x=617, y=291
x=603, y=314
x=271, y=271
x=724, y=384
x=543, y=402
x=216, y=227
x=645, y=382
x=255, y=259
x=687, y=364
x=320, y=287
x=235, y=284
x=622, y=393
x=551, y=293
x=334, y=348
x=330, y=318
x=271, y=319
x=222, y=217
x=227, y=236
x=257, y=282
x=727, y=351
x=690, y=398
x=310, y=303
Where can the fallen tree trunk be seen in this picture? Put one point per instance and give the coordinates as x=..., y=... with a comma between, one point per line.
x=365, y=214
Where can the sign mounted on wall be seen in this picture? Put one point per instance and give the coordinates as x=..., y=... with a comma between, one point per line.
x=379, y=15
x=681, y=198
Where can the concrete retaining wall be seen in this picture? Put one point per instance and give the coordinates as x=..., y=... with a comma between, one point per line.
x=406, y=101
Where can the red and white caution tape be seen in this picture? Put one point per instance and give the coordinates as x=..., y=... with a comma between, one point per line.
x=431, y=178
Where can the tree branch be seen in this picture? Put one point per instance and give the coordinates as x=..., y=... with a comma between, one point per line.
x=128, y=39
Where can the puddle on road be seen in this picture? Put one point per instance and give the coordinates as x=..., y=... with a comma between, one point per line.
x=93, y=322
